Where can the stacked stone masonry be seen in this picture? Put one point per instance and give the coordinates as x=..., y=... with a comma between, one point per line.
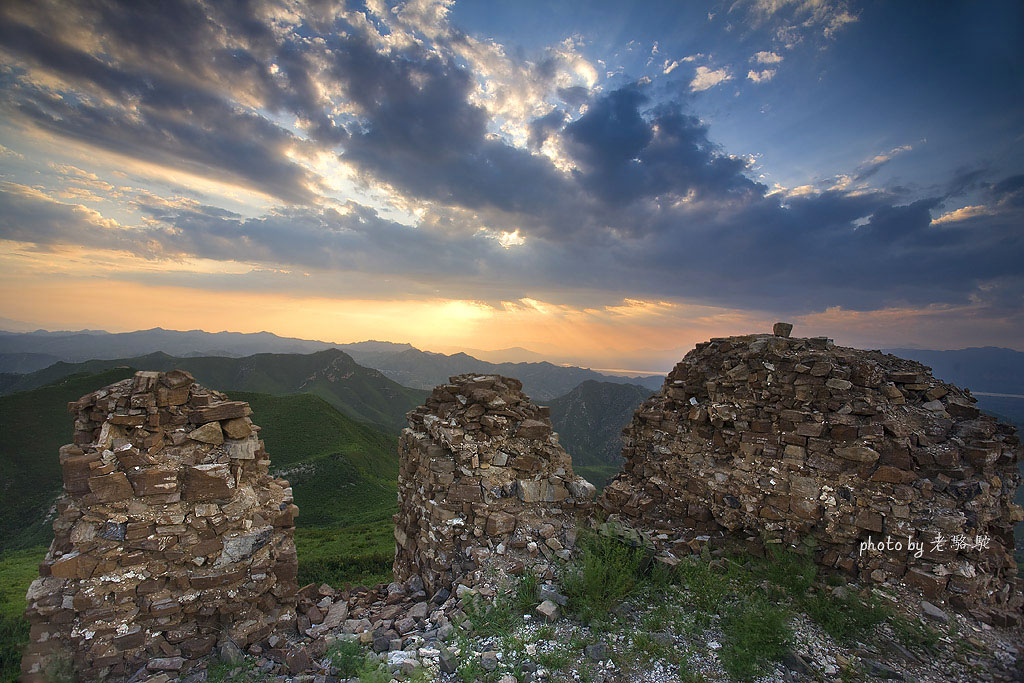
x=772, y=439
x=170, y=537
x=483, y=483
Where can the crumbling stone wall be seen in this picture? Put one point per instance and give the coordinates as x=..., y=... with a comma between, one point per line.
x=482, y=481
x=170, y=536
x=792, y=441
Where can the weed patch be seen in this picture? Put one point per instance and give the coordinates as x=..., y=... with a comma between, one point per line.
x=608, y=571
x=755, y=631
x=846, y=616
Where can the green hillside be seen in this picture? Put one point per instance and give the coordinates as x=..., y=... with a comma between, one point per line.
x=33, y=426
x=341, y=471
x=589, y=421
x=359, y=392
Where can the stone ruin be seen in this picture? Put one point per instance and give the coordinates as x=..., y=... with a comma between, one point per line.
x=778, y=440
x=170, y=538
x=483, y=482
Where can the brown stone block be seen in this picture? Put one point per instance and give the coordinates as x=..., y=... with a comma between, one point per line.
x=208, y=483
x=76, y=471
x=465, y=493
x=871, y=521
x=167, y=396
x=859, y=454
x=109, y=488
x=73, y=566
x=500, y=524
x=533, y=429
x=215, y=578
x=891, y=475
x=237, y=428
x=224, y=410
x=210, y=433
x=154, y=480
x=931, y=585
x=128, y=420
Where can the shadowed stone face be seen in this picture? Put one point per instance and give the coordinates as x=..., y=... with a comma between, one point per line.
x=481, y=472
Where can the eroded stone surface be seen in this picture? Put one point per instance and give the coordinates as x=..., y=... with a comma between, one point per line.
x=165, y=543
x=481, y=472
x=801, y=441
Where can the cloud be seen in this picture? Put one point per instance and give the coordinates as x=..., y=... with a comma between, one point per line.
x=795, y=20
x=962, y=214
x=875, y=163
x=761, y=76
x=765, y=57
x=706, y=78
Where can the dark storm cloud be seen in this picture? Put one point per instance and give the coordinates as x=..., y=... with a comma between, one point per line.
x=1010, y=191
x=419, y=132
x=542, y=127
x=626, y=155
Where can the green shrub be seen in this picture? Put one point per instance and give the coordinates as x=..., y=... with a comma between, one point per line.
x=755, y=631
x=493, y=618
x=706, y=588
x=607, y=572
x=846, y=616
x=912, y=633
x=524, y=595
x=347, y=657
x=793, y=571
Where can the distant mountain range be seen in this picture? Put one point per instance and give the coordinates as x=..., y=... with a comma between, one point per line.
x=542, y=381
x=359, y=392
x=403, y=363
x=85, y=345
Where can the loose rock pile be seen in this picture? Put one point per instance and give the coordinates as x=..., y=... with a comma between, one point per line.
x=170, y=538
x=794, y=441
x=483, y=482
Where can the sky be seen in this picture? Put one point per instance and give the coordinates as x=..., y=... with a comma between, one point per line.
x=604, y=183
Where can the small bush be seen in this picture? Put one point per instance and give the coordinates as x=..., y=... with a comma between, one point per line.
x=790, y=570
x=912, y=633
x=470, y=671
x=648, y=648
x=844, y=617
x=707, y=589
x=608, y=571
x=524, y=593
x=373, y=671
x=347, y=657
x=756, y=631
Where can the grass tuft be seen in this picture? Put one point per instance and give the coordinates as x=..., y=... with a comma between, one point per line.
x=755, y=631
x=607, y=572
x=846, y=617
